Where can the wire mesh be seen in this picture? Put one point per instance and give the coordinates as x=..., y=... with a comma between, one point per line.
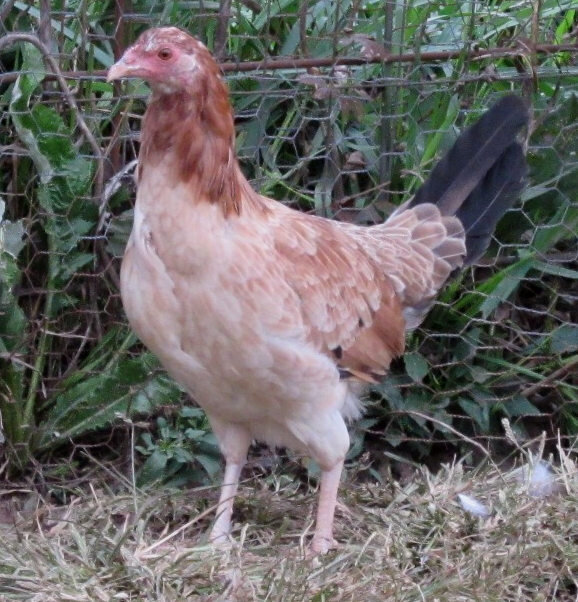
x=342, y=109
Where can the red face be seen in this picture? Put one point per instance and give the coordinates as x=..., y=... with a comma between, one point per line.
x=167, y=58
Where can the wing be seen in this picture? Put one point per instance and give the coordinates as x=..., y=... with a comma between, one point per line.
x=348, y=306
x=351, y=292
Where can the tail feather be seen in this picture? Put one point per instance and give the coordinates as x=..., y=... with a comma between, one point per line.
x=486, y=204
x=482, y=175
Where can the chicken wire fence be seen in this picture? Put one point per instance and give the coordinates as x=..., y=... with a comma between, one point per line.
x=342, y=109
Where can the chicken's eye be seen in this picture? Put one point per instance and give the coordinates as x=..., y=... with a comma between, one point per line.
x=165, y=54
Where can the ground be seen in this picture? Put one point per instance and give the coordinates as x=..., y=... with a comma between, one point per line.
x=410, y=541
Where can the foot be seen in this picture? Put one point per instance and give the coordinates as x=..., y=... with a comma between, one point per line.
x=321, y=545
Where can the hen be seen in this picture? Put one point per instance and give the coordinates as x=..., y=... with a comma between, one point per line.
x=271, y=318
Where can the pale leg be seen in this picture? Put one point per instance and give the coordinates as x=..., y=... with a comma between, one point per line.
x=326, y=439
x=222, y=527
x=234, y=441
x=323, y=536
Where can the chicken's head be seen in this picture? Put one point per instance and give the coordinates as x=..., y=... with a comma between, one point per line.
x=167, y=58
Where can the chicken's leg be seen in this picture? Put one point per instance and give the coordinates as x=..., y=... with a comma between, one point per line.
x=323, y=536
x=234, y=441
x=222, y=527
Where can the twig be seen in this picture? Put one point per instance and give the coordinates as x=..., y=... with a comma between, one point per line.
x=14, y=38
x=408, y=57
x=120, y=32
x=550, y=378
x=273, y=64
x=44, y=29
x=222, y=29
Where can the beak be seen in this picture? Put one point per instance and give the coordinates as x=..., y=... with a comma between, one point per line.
x=119, y=70
x=128, y=65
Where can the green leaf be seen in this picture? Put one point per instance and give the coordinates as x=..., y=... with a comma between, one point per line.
x=156, y=391
x=13, y=321
x=192, y=412
x=503, y=284
x=562, y=226
x=31, y=76
x=564, y=339
x=182, y=455
x=391, y=392
x=194, y=434
x=67, y=269
x=415, y=366
x=555, y=270
x=520, y=406
x=153, y=469
x=11, y=235
x=478, y=412
x=96, y=401
x=210, y=464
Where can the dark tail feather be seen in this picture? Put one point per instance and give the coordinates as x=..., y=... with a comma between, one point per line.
x=493, y=196
x=482, y=175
